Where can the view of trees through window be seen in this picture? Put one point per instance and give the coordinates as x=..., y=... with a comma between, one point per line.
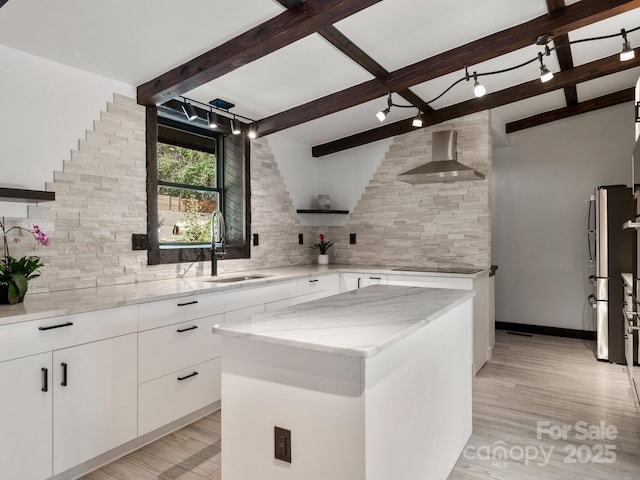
x=187, y=194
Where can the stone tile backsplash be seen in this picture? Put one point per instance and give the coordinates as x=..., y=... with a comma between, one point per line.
x=101, y=201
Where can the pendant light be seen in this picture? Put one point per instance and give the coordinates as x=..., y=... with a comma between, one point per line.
x=235, y=127
x=252, y=133
x=212, y=120
x=545, y=73
x=627, y=52
x=417, y=121
x=189, y=111
x=478, y=89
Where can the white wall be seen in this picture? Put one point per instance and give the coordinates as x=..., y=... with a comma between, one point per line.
x=540, y=189
x=46, y=108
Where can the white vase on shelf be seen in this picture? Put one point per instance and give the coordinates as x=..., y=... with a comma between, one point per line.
x=323, y=259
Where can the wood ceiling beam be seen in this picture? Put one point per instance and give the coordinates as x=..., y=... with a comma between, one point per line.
x=570, y=18
x=280, y=31
x=616, y=98
x=582, y=73
x=565, y=58
x=2, y=2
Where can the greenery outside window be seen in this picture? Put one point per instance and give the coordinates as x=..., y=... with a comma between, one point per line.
x=191, y=172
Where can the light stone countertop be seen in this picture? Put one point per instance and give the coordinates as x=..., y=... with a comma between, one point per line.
x=358, y=323
x=44, y=305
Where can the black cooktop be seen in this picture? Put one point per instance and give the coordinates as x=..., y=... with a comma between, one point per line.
x=460, y=270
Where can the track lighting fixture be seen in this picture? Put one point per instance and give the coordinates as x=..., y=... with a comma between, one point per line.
x=478, y=89
x=212, y=120
x=382, y=114
x=189, y=111
x=545, y=73
x=417, y=121
x=253, y=132
x=235, y=127
x=627, y=52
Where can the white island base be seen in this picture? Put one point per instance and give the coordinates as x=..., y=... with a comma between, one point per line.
x=402, y=411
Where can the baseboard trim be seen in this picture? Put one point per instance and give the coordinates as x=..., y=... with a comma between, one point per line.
x=552, y=331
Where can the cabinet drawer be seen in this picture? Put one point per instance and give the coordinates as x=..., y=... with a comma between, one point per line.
x=431, y=281
x=248, y=297
x=324, y=283
x=177, y=310
x=167, y=399
x=28, y=338
x=168, y=349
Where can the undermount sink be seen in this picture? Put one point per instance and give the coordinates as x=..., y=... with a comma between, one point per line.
x=244, y=278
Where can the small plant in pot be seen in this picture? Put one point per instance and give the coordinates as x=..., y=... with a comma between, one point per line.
x=15, y=273
x=322, y=247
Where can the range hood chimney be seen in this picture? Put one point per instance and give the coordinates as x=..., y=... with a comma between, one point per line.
x=443, y=168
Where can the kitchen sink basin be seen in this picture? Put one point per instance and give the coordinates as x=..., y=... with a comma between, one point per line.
x=243, y=278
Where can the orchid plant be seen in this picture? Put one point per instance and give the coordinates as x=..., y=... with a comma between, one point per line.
x=15, y=273
x=323, y=245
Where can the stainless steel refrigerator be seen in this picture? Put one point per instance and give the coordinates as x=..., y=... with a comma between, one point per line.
x=611, y=253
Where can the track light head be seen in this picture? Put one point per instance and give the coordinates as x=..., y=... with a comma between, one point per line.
x=212, y=120
x=545, y=73
x=627, y=52
x=417, y=121
x=189, y=111
x=478, y=89
x=235, y=126
x=253, y=131
x=382, y=114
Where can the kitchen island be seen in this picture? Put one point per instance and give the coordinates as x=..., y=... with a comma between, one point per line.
x=372, y=384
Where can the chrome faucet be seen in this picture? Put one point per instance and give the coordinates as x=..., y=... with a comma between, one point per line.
x=218, y=242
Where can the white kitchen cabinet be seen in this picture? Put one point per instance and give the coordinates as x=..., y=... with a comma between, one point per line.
x=171, y=348
x=250, y=296
x=25, y=418
x=175, y=395
x=95, y=399
x=352, y=281
x=176, y=310
x=242, y=314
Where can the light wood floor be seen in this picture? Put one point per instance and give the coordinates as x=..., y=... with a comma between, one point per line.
x=529, y=380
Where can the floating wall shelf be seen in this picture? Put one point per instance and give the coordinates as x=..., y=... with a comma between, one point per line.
x=25, y=196
x=341, y=212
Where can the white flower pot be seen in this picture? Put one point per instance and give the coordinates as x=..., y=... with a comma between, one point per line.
x=323, y=259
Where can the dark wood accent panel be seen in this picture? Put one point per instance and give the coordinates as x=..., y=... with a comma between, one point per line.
x=616, y=98
x=278, y=32
x=153, y=253
x=21, y=195
x=573, y=16
x=588, y=71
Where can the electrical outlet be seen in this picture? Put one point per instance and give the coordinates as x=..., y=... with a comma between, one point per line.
x=352, y=239
x=282, y=444
x=300, y=239
x=256, y=240
x=139, y=241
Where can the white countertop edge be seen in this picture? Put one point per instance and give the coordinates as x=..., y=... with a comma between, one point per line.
x=148, y=291
x=350, y=352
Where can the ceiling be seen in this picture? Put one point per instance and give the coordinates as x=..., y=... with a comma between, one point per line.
x=136, y=41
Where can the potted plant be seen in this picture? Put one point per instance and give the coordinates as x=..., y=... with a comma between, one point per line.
x=323, y=247
x=15, y=273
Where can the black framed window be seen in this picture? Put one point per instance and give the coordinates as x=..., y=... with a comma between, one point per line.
x=191, y=172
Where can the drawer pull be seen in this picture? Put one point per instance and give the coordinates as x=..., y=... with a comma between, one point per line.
x=375, y=278
x=180, y=330
x=359, y=281
x=45, y=379
x=313, y=281
x=51, y=327
x=187, y=376
x=188, y=303
x=64, y=374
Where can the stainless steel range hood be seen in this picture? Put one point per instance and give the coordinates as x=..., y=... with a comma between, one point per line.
x=443, y=167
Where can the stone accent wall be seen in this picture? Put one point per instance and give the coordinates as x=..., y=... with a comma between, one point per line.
x=400, y=224
x=101, y=201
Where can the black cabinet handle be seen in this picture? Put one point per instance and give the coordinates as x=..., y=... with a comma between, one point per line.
x=51, y=327
x=187, y=303
x=180, y=330
x=64, y=374
x=375, y=278
x=45, y=379
x=187, y=376
x=359, y=279
x=313, y=281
